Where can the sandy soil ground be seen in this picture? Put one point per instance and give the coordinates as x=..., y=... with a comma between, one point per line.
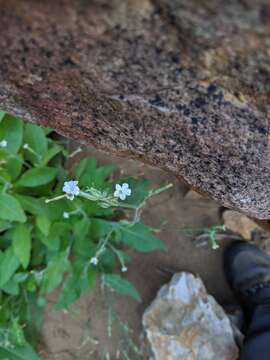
x=107, y=326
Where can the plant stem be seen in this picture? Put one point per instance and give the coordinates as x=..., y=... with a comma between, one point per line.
x=55, y=199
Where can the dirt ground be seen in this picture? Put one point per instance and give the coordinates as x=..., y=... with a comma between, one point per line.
x=90, y=330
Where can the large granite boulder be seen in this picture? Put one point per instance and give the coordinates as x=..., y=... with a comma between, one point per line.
x=181, y=84
x=185, y=323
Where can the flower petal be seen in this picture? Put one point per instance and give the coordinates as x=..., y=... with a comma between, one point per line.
x=128, y=192
x=122, y=196
x=116, y=193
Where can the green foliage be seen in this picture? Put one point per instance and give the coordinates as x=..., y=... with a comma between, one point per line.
x=37, y=177
x=120, y=285
x=10, y=208
x=64, y=243
x=21, y=244
x=9, y=263
x=11, y=130
x=36, y=138
x=25, y=352
x=209, y=234
x=80, y=280
x=140, y=237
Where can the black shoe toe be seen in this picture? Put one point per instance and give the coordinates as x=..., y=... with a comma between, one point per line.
x=246, y=267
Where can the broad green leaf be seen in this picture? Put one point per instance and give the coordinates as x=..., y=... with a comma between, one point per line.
x=61, y=228
x=89, y=175
x=79, y=281
x=21, y=243
x=8, y=265
x=32, y=205
x=35, y=137
x=101, y=175
x=58, y=231
x=108, y=260
x=25, y=352
x=11, y=287
x=43, y=224
x=51, y=241
x=85, y=165
x=20, y=277
x=2, y=114
x=54, y=273
x=81, y=228
x=99, y=228
x=51, y=153
x=56, y=209
x=4, y=176
x=4, y=155
x=121, y=286
x=11, y=129
x=141, y=238
x=37, y=177
x=32, y=316
x=10, y=209
x=82, y=240
x=5, y=225
x=14, y=166
x=38, y=251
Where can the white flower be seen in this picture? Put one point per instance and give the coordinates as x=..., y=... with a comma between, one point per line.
x=71, y=189
x=25, y=146
x=3, y=143
x=94, y=260
x=122, y=191
x=124, y=269
x=65, y=215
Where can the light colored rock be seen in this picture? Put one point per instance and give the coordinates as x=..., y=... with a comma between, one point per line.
x=239, y=223
x=186, y=323
x=194, y=195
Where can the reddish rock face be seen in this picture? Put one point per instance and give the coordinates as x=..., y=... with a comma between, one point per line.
x=181, y=84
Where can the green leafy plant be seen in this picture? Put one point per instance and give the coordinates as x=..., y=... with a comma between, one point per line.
x=206, y=235
x=59, y=232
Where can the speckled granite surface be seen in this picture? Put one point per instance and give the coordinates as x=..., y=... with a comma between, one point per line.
x=181, y=84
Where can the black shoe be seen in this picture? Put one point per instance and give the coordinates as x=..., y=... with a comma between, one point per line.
x=247, y=269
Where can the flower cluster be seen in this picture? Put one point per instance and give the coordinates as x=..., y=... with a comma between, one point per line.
x=71, y=189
